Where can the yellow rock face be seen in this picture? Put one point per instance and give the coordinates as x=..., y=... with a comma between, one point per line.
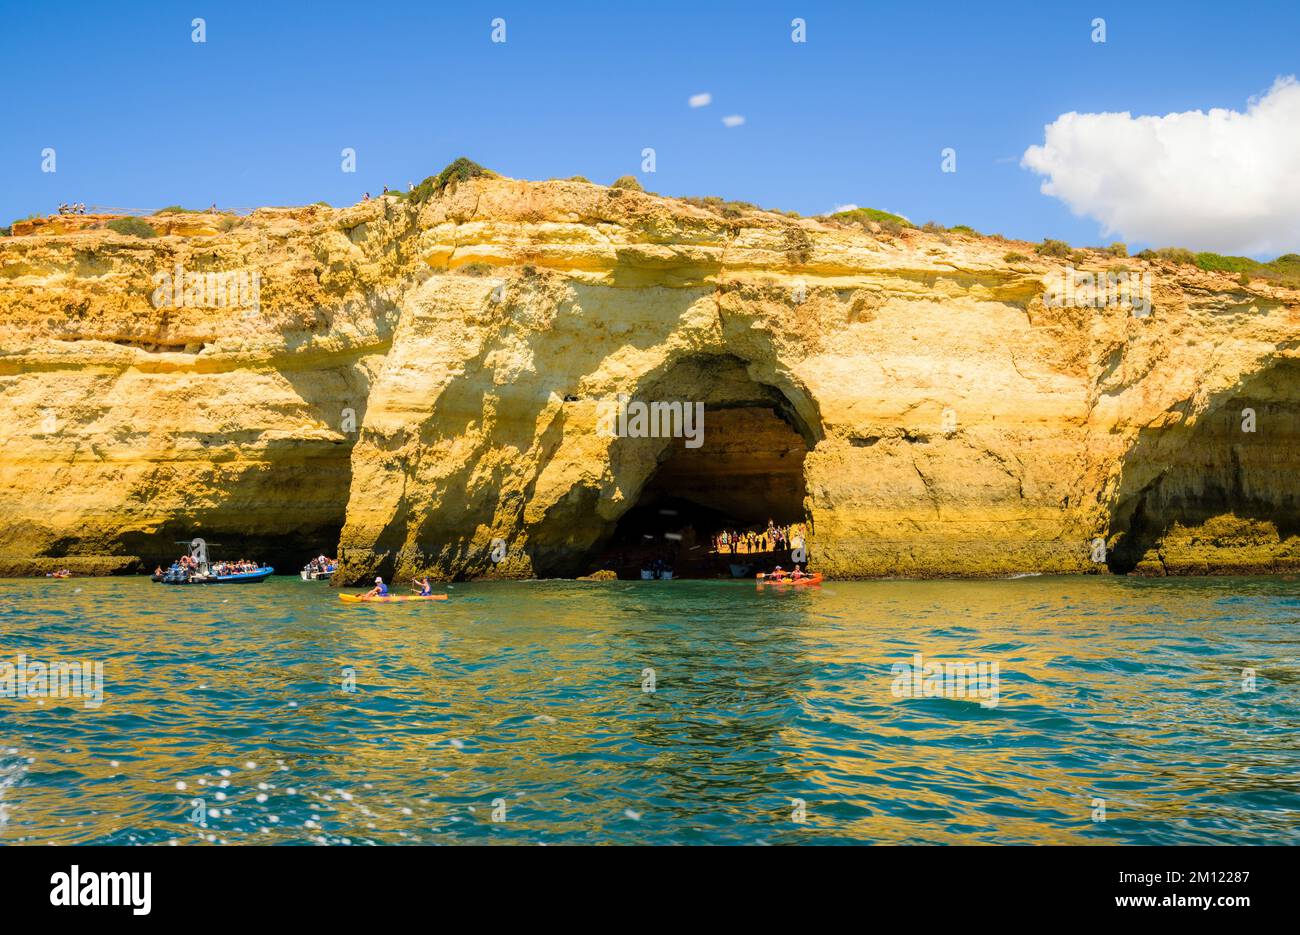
x=428, y=388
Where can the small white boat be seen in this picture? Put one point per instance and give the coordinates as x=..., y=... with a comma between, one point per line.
x=647, y=574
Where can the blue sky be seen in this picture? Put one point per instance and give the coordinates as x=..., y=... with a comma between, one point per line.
x=141, y=116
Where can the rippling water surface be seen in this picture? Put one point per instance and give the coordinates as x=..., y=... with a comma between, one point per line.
x=528, y=698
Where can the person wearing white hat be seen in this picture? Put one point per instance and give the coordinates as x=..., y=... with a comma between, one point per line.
x=379, y=590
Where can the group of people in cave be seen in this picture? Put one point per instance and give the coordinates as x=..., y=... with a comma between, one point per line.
x=772, y=539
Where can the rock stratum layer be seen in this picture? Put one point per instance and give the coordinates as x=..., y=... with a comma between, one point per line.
x=424, y=386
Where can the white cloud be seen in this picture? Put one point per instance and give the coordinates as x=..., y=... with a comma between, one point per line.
x=700, y=100
x=849, y=207
x=1223, y=180
x=733, y=120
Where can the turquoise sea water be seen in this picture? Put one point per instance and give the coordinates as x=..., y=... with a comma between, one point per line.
x=530, y=695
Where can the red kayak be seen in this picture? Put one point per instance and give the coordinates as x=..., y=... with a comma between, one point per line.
x=810, y=579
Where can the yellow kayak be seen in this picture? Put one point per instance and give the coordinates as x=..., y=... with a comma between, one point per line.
x=390, y=599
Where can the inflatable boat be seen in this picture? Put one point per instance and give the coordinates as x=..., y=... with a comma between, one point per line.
x=180, y=576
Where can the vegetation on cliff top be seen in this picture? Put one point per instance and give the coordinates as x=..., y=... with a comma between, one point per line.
x=864, y=216
x=132, y=226
x=1054, y=248
x=8, y=231
x=459, y=170
x=731, y=209
x=1283, y=270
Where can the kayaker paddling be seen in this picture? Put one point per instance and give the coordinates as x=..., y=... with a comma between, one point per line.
x=379, y=594
x=391, y=598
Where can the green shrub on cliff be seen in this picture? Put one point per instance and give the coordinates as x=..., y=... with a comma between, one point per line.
x=1285, y=270
x=731, y=209
x=1055, y=248
x=1179, y=255
x=735, y=209
x=134, y=227
x=459, y=170
x=628, y=182
x=863, y=216
x=1225, y=264
x=1014, y=258
x=176, y=209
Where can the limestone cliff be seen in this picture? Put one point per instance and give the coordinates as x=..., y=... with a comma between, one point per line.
x=914, y=396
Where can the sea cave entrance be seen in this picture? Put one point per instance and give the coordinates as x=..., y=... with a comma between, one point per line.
x=747, y=471
x=1218, y=495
